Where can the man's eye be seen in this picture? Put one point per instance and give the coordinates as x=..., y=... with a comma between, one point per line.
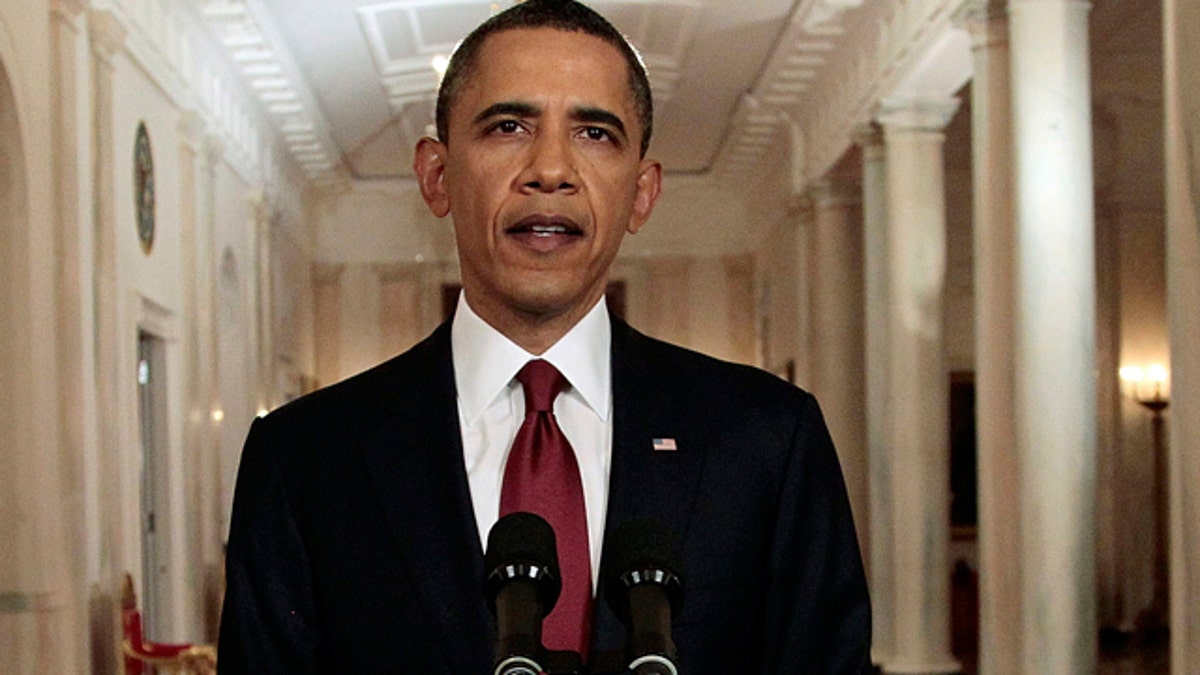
x=508, y=127
x=596, y=134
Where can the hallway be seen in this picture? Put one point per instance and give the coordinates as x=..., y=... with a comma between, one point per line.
x=970, y=227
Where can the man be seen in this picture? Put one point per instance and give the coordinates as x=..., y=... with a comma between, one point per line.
x=360, y=512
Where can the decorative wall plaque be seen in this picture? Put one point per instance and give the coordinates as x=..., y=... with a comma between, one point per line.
x=143, y=187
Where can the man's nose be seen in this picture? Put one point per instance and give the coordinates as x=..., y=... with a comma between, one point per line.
x=551, y=166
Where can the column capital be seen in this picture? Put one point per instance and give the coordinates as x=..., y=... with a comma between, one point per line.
x=67, y=9
x=981, y=10
x=192, y=126
x=1083, y=4
x=262, y=203
x=833, y=193
x=800, y=208
x=106, y=33
x=390, y=273
x=327, y=274
x=917, y=114
x=669, y=266
x=737, y=263
x=214, y=149
x=986, y=21
x=869, y=138
x=866, y=135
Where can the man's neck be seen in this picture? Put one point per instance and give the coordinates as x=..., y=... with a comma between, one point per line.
x=532, y=331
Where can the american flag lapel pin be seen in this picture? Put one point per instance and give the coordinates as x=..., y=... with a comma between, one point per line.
x=665, y=445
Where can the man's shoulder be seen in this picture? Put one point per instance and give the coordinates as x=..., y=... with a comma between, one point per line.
x=372, y=392
x=693, y=373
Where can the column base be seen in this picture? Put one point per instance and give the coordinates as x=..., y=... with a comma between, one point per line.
x=949, y=667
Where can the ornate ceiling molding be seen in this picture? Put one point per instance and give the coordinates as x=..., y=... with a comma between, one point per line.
x=806, y=48
x=404, y=36
x=267, y=70
x=813, y=83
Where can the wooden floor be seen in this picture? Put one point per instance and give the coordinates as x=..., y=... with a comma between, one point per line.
x=1120, y=654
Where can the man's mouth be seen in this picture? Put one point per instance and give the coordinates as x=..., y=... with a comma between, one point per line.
x=546, y=226
x=545, y=233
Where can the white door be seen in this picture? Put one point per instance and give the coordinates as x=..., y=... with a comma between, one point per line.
x=152, y=409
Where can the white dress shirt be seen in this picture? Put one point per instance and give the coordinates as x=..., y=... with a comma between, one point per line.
x=491, y=408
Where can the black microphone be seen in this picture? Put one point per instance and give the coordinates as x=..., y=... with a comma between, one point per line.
x=521, y=585
x=643, y=586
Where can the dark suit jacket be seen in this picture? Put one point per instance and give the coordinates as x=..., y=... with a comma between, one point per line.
x=353, y=547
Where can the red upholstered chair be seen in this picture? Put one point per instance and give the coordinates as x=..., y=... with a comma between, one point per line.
x=139, y=653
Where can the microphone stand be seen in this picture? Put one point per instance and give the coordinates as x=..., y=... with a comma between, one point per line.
x=560, y=662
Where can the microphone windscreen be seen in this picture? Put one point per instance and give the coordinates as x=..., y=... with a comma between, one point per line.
x=641, y=545
x=521, y=545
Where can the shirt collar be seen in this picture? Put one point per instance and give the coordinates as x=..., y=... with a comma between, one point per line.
x=486, y=361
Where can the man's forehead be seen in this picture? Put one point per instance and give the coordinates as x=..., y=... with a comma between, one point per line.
x=548, y=51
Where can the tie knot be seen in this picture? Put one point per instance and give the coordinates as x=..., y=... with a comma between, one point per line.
x=542, y=383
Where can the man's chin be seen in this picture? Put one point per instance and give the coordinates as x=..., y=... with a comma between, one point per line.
x=552, y=302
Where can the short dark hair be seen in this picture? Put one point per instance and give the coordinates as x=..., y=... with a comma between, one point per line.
x=565, y=15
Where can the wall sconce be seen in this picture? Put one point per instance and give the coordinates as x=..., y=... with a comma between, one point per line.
x=1139, y=381
x=1147, y=385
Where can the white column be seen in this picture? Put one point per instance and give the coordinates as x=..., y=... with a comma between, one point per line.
x=741, y=324
x=399, y=307
x=76, y=416
x=1182, y=94
x=203, y=547
x=1054, y=357
x=666, y=284
x=800, y=211
x=999, y=515
x=107, y=39
x=263, y=207
x=327, y=322
x=212, y=505
x=918, y=392
x=875, y=344
x=837, y=315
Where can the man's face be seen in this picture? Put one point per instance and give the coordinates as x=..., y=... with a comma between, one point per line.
x=542, y=173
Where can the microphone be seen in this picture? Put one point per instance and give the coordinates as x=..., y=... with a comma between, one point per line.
x=521, y=585
x=644, y=588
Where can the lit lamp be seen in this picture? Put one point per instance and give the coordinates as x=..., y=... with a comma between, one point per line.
x=1154, y=377
x=1153, y=622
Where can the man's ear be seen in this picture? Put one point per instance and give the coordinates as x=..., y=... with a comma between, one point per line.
x=649, y=186
x=429, y=163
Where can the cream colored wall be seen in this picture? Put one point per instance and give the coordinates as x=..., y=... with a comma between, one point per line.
x=383, y=260
x=70, y=504
x=380, y=222
x=779, y=300
x=367, y=312
x=149, y=297
x=705, y=303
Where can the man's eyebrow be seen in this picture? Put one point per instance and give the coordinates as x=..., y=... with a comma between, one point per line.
x=512, y=108
x=598, y=115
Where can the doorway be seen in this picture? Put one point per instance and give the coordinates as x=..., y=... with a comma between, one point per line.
x=152, y=422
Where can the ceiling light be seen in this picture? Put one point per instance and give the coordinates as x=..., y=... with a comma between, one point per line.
x=440, y=63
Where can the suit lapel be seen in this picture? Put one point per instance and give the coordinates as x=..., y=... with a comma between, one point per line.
x=416, y=466
x=645, y=482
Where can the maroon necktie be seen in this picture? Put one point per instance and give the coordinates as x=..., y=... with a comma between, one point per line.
x=542, y=477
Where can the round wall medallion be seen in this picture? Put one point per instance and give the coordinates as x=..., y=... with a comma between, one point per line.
x=143, y=187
